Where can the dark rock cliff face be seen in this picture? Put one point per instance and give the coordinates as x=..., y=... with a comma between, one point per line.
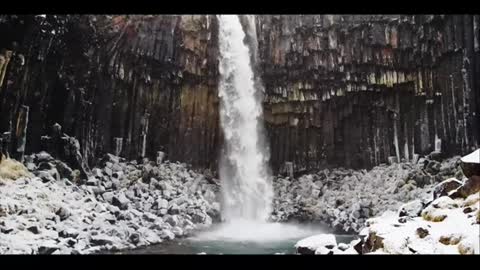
x=129, y=85
x=342, y=90
x=355, y=90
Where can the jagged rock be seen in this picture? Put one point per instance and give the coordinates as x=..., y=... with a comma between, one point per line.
x=33, y=229
x=443, y=188
x=120, y=201
x=471, y=164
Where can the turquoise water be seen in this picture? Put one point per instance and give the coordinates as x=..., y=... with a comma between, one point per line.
x=279, y=239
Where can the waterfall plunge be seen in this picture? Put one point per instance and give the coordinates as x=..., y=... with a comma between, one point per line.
x=246, y=180
x=247, y=191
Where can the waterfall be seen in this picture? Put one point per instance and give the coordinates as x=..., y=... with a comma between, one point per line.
x=246, y=182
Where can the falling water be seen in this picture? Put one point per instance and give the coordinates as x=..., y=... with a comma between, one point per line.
x=246, y=182
x=246, y=179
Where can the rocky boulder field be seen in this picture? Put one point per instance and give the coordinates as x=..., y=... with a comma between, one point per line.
x=48, y=208
x=344, y=198
x=443, y=219
x=124, y=205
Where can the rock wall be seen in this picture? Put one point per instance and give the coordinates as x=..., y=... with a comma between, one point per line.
x=342, y=90
x=130, y=85
x=356, y=90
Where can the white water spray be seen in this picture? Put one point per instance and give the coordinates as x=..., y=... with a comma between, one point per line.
x=246, y=182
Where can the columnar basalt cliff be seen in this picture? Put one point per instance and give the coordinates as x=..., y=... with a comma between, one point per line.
x=356, y=90
x=341, y=90
x=129, y=85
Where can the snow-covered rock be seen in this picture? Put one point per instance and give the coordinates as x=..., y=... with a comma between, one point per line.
x=59, y=217
x=311, y=244
x=454, y=233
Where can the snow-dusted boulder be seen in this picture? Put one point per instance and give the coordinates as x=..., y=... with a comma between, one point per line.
x=411, y=209
x=311, y=244
x=443, y=188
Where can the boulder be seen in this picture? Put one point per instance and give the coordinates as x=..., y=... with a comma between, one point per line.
x=69, y=233
x=422, y=232
x=471, y=164
x=100, y=240
x=149, y=216
x=311, y=244
x=167, y=234
x=134, y=238
x=174, y=209
x=443, y=188
x=177, y=231
x=172, y=220
x=471, y=186
x=47, y=248
x=33, y=229
x=43, y=156
x=120, y=201
x=343, y=246
x=63, y=169
x=108, y=197
x=63, y=213
x=161, y=204
x=411, y=209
